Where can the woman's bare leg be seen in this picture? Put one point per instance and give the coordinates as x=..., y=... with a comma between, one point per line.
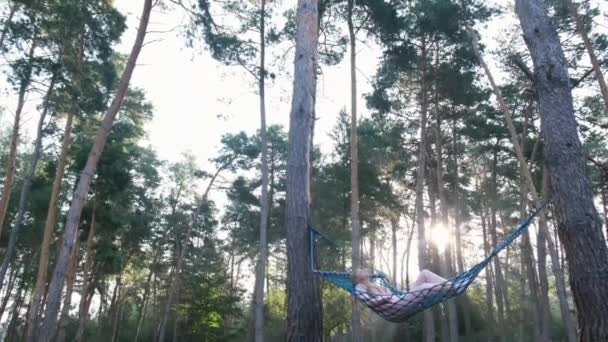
x=427, y=276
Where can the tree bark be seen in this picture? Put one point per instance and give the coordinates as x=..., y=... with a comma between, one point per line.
x=527, y=175
x=499, y=283
x=49, y=225
x=67, y=300
x=49, y=324
x=264, y=203
x=446, y=263
x=354, y=170
x=27, y=185
x=579, y=223
x=12, y=154
x=117, y=309
x=582, y=31
x=87, y=278
x=489, y=275
x=429, y=324
x=304, y=307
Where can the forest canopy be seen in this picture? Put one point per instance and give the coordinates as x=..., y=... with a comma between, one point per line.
x=162, y=163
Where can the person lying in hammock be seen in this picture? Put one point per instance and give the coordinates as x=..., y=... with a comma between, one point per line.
x=380, y=297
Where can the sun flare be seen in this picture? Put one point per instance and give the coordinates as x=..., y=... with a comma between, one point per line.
x=440, y=237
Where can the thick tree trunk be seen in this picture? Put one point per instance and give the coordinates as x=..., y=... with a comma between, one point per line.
x=12, y=154
x=354, y=170
x=304, y=307
x=67, y=300
x=582, y=31
x=27, y=185
x=579, y=223
x=527, y=176
x=49, y=324
x=49, y=225
x=429, y=324
x=87, y=278
x=264, y=203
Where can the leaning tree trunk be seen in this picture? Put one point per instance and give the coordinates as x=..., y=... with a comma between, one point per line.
x=49, y=226
x=527, y=178
x=582, y=31
x=87, y=278
x=354, y=171
x=579, y=222
x=27, y=185
x=264, y=202
x=304, y=307
x=12, y=154
x=67, y=300
x=49, y=324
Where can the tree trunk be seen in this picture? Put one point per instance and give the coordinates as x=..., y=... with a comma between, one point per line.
x=116, y=312
x=87, y=277
x=582, y=31
x=67, y=300
x=458, y=212
x=354, y=170
x=175, y=281
x=13, y=275
x=27, y=185
x=429, y=324
x=488, y=274
x=499, y=283
x=304, y=307
x=394, y=227
x=11, y=331
x=543, y=281
x=12, y=154
x=142, y=310
x=527, y=176
x=73, y=218
x=579, y=223
x=446, y=263
x=51, y=217
x=49, y=226
x=264, y=203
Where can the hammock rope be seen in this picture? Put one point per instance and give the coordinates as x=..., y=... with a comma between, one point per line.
x=403, y=304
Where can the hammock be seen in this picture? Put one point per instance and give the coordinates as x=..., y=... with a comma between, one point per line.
x=402, y=304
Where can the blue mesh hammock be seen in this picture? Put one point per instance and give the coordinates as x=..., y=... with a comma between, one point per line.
x=402, y=304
